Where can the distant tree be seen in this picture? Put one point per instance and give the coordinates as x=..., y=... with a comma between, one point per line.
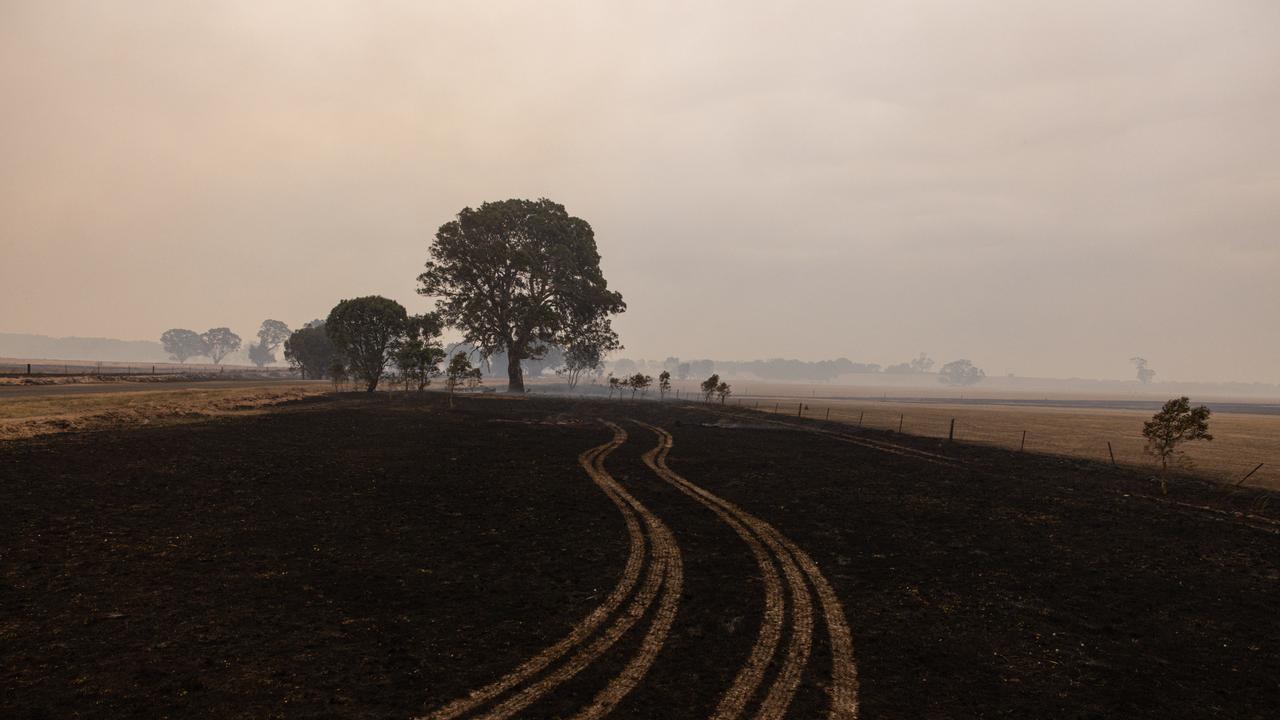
x=586, y=352
x=418, y=354
x=338, y=371
x=640, y=383
x=960, y=372
x=219, y=343
x=1175, y=424
x=709, y=386
x=682, y=371
x=625, y=366
x=181, y=344
x=460, y=373
x=921, y=363
x=259, y=355
x=1144, y=373
x=272, y=333
x=664, y=383
x=518, y=275
x=311, y=352
x=615, y=385
x=366, y=330
x=723, y=390
x=671, y=364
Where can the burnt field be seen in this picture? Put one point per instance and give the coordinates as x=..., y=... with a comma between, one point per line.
x=387, y=557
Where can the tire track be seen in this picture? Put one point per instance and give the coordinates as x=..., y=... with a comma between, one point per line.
x=665, y=570
x=844, y=685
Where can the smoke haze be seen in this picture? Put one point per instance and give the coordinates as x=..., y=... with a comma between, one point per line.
x=1045, y=188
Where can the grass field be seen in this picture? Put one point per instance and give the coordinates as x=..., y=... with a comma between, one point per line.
x=1242, y=439
x=26, y=412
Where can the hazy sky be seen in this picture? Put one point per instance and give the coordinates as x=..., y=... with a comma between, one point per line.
x=1045, y=188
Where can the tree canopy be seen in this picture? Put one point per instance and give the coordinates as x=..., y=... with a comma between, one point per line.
x=517, y=275
x=219, y=343
x=960, y=372
x=311, y=351
x=418, y=354
x=366, y=330
x=181, y=344
x=1175, y=424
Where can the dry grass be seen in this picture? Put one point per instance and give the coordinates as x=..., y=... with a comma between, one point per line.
x=1241, y=441
x=43, y=414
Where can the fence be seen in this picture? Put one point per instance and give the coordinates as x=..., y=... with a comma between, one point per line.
x=55, y=368
x=1245, y=446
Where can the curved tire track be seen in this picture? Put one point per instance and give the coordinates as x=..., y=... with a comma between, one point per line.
x=663, y=581
x=844, y=680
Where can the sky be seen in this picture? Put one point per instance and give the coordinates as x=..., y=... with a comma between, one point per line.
x=1045, y=188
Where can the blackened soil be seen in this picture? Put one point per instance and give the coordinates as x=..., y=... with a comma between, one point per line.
x=378, y=558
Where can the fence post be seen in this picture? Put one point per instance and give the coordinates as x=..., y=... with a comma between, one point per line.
x=951, y=434
x=828, y=417
x=800, y=410
x=775, y=407
x=28, y=368
x=1111, y=453
x=1251, y=472
x=1023, y=446
x=900, y=418
x=864, y=412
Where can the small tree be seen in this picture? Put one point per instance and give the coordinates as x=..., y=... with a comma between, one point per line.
x=723, y=390
x=664, y=384
x=366, y=330
x=639, y=383
x=181, y=344
x=418, y=355
x=1175, y=424
x=709, y=387
x=311, y=352
x=338, y=371
x=960, y=372
x=219, y=343
x=615, y=385
x=460, y=372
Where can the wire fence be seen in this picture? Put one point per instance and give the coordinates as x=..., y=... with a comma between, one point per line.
x=72, y=368
x=1246, y=447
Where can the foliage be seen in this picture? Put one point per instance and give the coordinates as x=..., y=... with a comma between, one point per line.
x=1175, y=424
x=639, y=383
x=664, y=383
x=709, y=386
x=614, y=385
x=1144, y=373
x=311, y=352
x=181, y=344
x=272, y=333
x=960, y=372
x=338, y=371
x=922, y=363
x=460, y=372
x=366, y=331
x=219, y=343
x=260, y=355
x=723, y=390
x=682, y=371
x=418, y=354
x=516, y=276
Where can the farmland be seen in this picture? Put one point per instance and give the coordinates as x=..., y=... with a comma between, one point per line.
x=384, y=556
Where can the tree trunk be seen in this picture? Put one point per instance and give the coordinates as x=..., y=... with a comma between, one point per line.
x=515, y=374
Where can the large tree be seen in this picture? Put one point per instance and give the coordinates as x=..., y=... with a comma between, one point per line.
x=219, y=343
x=367, y=330
x=181, y=344
x=516, y=276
